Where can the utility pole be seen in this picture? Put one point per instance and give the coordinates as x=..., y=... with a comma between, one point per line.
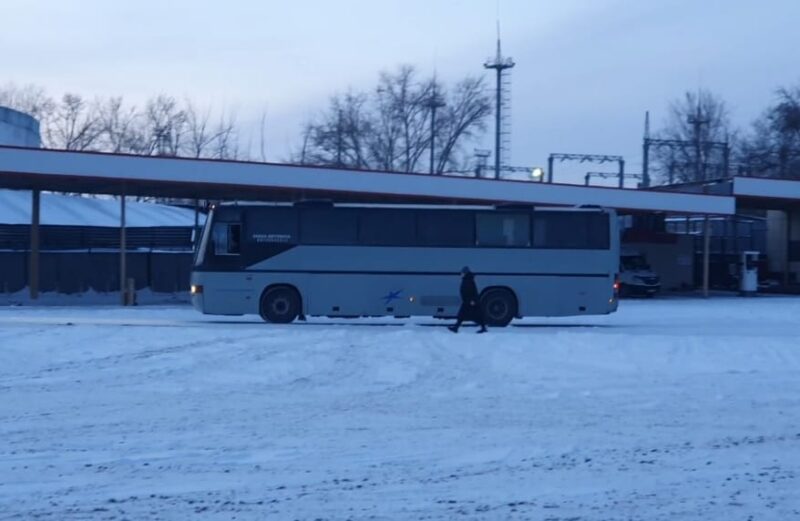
x=646, y=152
x=433, y=103
x=499, y=64
x=697, y=123
x=339, y=140
x=726, y=156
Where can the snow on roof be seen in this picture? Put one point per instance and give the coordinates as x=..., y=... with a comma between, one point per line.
x=71, y=210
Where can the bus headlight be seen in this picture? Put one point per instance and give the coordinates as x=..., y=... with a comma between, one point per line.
x=196, y=289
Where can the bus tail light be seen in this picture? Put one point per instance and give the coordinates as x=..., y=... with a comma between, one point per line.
x=196, y=289
x=616, y=286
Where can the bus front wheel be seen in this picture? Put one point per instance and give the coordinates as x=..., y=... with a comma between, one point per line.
x=280, y=305
x=499, y=306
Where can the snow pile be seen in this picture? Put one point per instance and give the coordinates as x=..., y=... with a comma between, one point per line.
x=69, y=210
x=672, y=409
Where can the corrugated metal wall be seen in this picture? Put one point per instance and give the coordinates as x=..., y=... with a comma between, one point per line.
x=76, y=272
x=17, y=237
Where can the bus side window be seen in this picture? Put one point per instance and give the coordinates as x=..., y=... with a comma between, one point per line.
x=227, y=238
x=503, y=229
x=563, y=230
x=446, y=228
x=387, y=228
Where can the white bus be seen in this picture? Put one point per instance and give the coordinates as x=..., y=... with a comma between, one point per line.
x=285, y=261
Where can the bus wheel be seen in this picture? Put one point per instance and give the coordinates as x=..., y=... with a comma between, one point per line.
x=499, y=306
x=280, y=305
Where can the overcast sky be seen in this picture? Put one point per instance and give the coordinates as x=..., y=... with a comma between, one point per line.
x=586, y=69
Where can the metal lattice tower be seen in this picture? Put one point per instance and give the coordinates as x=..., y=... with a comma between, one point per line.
x=481, y=161
x=502, y=140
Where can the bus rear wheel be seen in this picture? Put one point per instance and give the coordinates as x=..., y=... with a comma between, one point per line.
x=280, y=305
x=499, y=306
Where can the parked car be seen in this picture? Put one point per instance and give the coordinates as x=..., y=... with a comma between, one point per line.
x=636, y=277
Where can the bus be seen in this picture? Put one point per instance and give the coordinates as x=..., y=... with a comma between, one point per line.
x=290, y=261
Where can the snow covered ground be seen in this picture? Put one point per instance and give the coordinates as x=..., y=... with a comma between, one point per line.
x=669, y=409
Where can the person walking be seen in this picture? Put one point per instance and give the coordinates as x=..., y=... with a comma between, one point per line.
x=470, y=309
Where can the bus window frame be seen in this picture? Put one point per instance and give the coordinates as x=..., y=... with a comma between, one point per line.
x=607, y=241
x=528, y=235
x=420, y=243
x=228, y=226
x=301, y=226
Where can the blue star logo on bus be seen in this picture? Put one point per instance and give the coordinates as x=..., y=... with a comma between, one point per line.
x=393, y=295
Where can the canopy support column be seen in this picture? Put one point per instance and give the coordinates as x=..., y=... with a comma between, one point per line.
x=123, y=247
x=787, y=269
x=706, y=254
x=33, y=266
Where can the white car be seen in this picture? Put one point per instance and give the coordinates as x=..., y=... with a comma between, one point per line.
x=636, y=277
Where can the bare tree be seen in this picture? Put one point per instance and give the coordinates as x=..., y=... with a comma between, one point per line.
x=465, y=115
x=400, y=120
x=390, y=129
x=199, y=136
x=164, y=126
x=204, y=140
x=773, y=147
x=340, y=137
x=303, y=155
x=225, y=143
x=698, y=123
x=30, y=99
x=74, y=125
x=121, y=126
x=385, y=147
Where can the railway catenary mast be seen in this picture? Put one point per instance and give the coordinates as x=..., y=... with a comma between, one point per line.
x=500, y=65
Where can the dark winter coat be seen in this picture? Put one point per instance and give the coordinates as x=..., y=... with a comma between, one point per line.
x=470, y=304
x=469, y=290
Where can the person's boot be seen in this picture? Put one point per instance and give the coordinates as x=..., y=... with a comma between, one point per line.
x=482, y=329
x=454, y=329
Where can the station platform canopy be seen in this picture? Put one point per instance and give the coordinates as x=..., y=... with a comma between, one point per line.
x=750, y=193
x=117, y=174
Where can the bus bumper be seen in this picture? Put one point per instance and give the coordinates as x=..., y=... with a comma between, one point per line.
x=197, y=301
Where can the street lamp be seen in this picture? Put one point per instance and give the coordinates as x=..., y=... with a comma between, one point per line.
x=537, y=174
